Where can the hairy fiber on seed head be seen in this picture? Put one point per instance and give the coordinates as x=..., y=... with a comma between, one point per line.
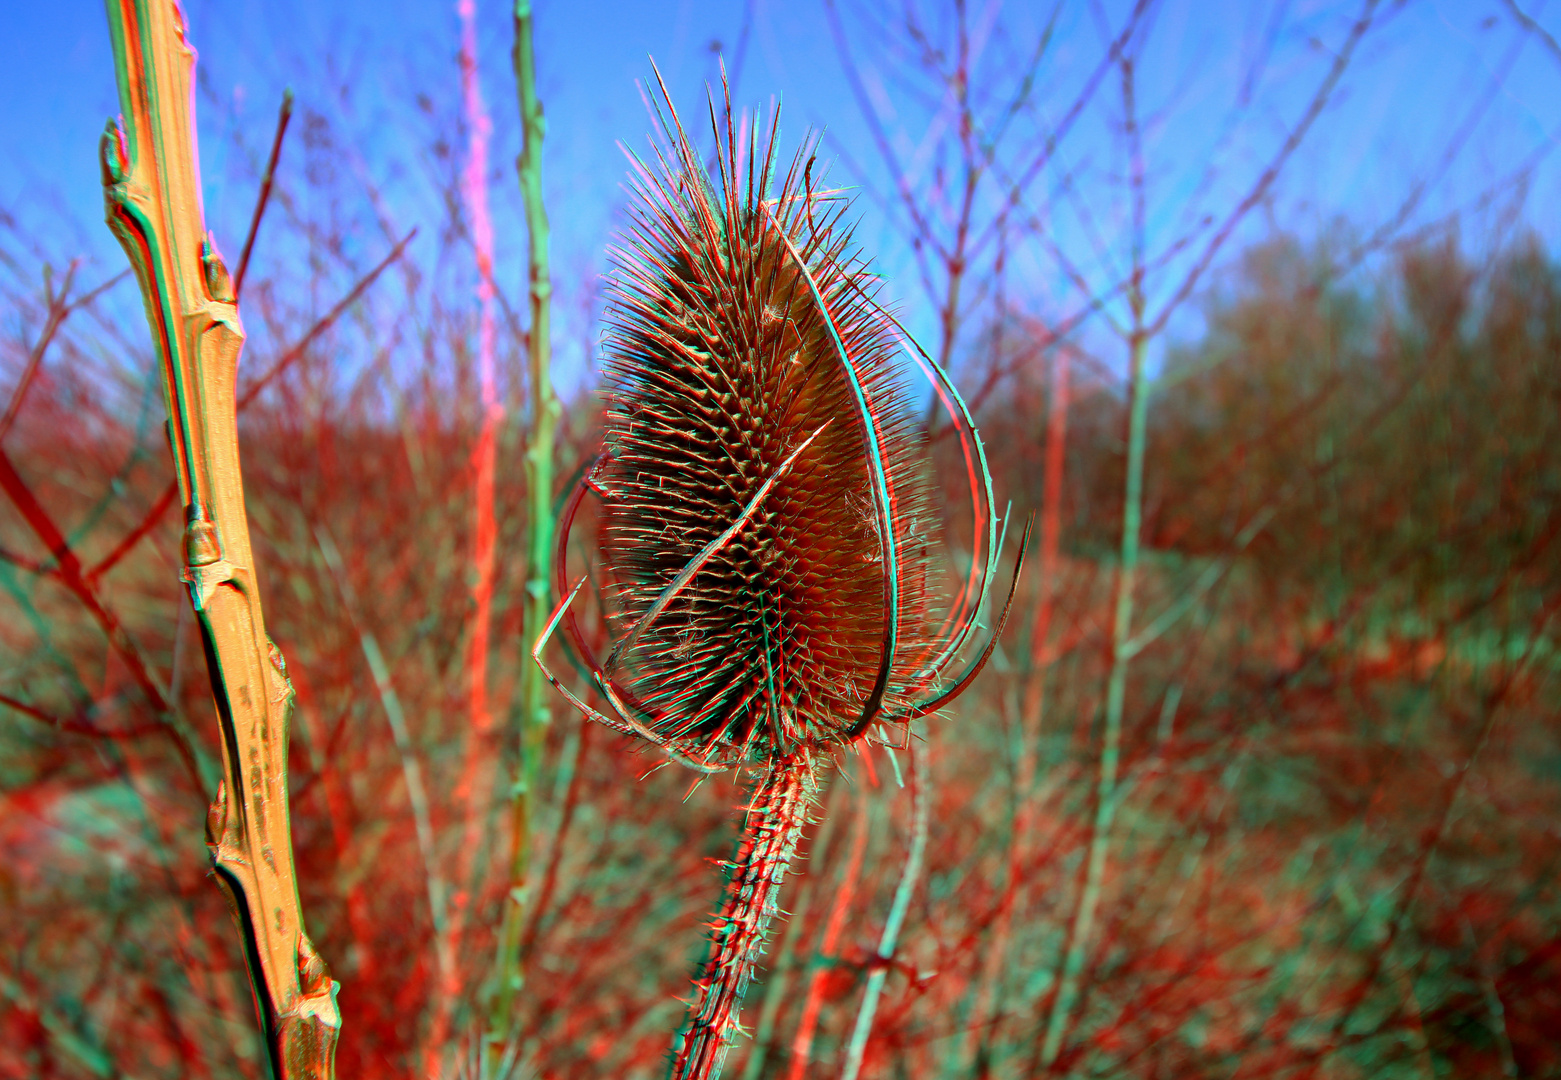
x=720, y=363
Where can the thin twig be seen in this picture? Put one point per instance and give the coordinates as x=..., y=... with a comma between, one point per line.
x=897, y=911
x=286, y=360
x=284, y=114
x=71, y=576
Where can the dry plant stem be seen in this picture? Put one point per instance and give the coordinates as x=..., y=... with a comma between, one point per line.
x=153, y=202
x=533, y=707
x=897, y=911
x=777, y=814
x=1122, y=623
x=474, y=785
x=283, y=118
x=778, y=982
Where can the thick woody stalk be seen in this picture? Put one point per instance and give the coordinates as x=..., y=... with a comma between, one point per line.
x=152, y=198
x=533, y=707
x=777, y=814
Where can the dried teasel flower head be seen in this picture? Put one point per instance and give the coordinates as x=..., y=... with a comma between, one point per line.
x=768, y=529
x=769, y=533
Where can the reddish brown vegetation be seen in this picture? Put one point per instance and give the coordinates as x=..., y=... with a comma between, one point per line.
x=1335, y=844
x=1338, y=847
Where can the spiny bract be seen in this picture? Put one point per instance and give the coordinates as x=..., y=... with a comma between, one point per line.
x=741, y=325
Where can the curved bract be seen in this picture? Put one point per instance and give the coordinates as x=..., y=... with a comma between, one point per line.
x=768, y=528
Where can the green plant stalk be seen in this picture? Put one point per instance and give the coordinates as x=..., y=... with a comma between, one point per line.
x=920, y=778
x=1116, y=692
x=1122, y=645
x=152, y=200
x=533, y=708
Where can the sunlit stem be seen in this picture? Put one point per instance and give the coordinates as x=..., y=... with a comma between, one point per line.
x=152, y=199
x=532, y=716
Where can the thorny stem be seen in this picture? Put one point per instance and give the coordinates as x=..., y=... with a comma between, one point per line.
x=778, y=982
x=777, y=814
x=533, y=708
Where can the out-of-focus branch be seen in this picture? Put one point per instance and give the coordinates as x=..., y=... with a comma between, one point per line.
x=152, y=198
x=69, y=571
x=287, y=359
x=987, y=1018
x=411, y=766
x=1084, y=914
x=889, y=941
x=474, y=786
x=78, y=724
x=802, y=1043
x=1529, y=23
x=135, y=535
x=59, y=311
x=284, y=115
x=1265, y=180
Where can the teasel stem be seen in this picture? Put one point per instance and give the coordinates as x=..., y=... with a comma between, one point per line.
x=777, y=814
x=532, y=713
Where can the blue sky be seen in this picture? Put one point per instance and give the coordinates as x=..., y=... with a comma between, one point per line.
x=1443, y=104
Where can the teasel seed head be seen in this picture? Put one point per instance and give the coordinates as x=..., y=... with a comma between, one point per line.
x=768, y=528
x=768, y=521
